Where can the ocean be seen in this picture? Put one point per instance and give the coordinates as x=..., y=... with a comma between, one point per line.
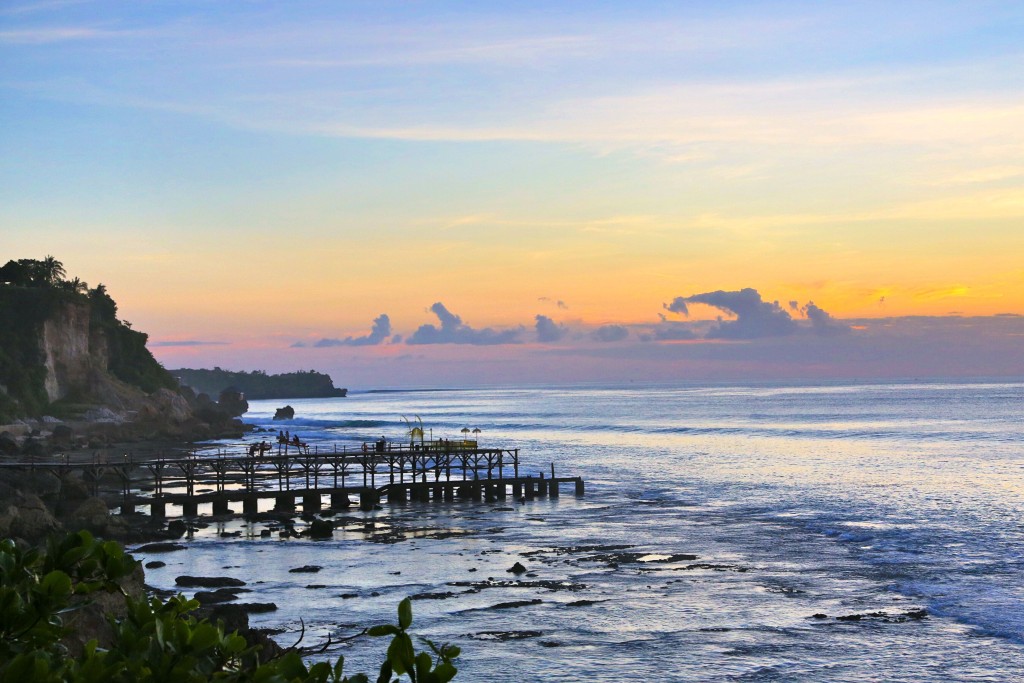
x=834, y=532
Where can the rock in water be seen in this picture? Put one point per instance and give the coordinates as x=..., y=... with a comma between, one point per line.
x=160, y=547
x=517, y=569
x=207, y=581
x=176, y=528
x=286, y=413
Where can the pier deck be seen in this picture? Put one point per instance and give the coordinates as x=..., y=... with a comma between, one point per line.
x=314, y=478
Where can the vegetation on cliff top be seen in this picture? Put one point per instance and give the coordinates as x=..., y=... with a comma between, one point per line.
x=258, y=384
x=32, y=292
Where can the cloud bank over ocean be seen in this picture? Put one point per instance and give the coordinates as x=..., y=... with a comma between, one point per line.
x=454, y=331
x=756, y=318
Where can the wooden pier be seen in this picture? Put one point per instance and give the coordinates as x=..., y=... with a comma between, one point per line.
x=315, y=479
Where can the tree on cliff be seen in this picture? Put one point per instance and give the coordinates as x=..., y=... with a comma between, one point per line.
x=32, y=273
x=50, y=271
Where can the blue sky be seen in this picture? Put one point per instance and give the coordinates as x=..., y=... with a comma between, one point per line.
x=245, y=172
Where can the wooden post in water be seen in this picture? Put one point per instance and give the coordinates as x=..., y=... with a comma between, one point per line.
x=368, y=499
x=311, y=502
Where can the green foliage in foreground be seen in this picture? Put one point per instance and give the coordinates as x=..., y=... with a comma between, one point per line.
x=156, y=641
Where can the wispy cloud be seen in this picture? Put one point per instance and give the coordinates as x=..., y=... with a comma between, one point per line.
x=188, y=342
x=59, y=34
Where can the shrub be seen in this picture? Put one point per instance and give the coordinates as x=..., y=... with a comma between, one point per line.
x=158, y=640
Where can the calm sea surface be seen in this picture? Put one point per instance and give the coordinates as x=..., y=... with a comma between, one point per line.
x=871, y=502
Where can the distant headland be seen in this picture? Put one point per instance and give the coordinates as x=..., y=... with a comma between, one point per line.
x=258, y=384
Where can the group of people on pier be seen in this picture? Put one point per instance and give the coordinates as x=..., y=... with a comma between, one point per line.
x=287, y=439
x=283, y=439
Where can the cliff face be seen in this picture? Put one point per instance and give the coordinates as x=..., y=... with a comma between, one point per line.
x=65, y=354
x=72, y=352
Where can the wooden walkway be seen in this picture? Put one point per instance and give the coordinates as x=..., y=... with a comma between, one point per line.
x=313, y=478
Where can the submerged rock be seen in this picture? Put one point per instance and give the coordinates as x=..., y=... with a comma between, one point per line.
x=161, y=547
x=433, y=596
x=582, y=603
x=257, y=607
x=207, y=581
x=502, y=636
x=515, y=603
x=218, y=596
x=306, y=569
x=912, y=615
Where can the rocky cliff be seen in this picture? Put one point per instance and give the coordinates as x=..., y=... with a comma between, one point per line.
x=73, y=352
x=71, y=371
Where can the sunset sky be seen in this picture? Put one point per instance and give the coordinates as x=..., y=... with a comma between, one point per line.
x=531, y=192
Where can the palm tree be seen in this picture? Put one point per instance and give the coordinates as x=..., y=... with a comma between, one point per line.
x=75, y=285
x=49, y=271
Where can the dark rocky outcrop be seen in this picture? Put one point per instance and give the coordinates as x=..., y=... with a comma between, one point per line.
x=232, y=401
x=286, y=413
x=34, y=504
